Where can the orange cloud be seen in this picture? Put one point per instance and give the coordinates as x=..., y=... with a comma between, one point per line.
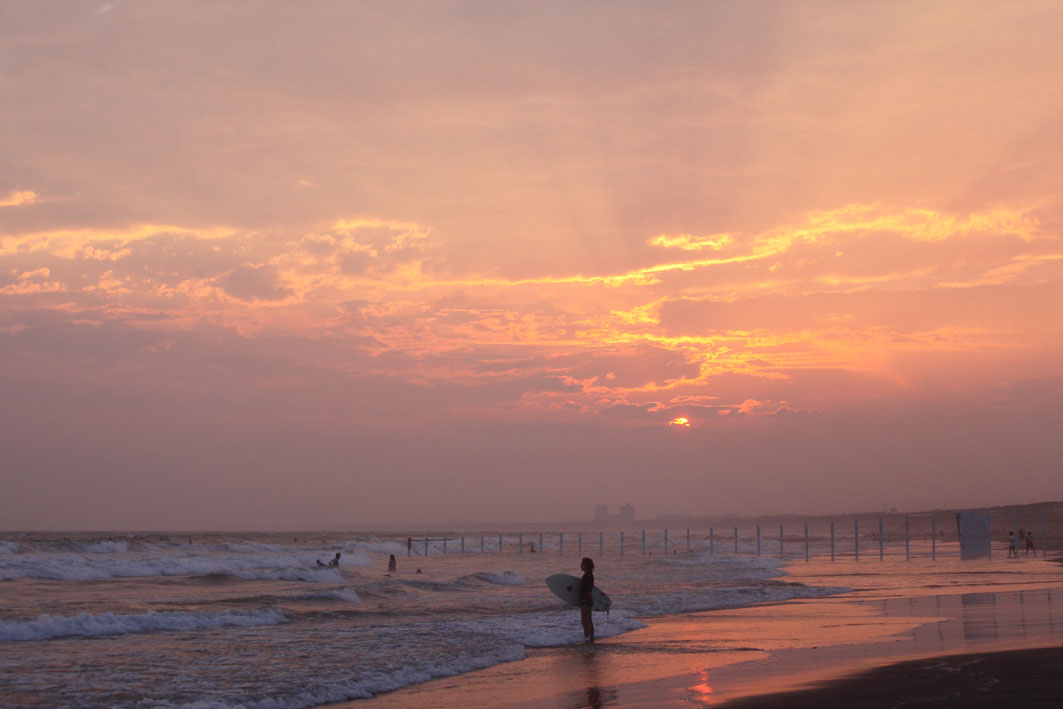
x=642, y=341
x=17, y=198
x=689, y=242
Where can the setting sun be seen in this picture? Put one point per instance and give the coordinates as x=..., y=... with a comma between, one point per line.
x=680, y=421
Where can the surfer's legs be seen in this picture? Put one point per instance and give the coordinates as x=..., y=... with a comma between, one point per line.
x=588, y=624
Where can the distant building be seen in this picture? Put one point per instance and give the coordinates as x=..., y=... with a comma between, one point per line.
x=602, y=515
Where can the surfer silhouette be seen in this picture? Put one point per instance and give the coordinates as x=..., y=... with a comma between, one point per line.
x=332, y=564
x=586, y=602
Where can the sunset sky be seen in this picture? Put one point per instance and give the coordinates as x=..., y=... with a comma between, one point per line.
x=289, y=265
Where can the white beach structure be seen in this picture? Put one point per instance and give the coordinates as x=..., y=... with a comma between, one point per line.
x=973, y=528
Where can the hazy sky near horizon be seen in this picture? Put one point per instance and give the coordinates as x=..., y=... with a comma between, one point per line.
x=287, y=265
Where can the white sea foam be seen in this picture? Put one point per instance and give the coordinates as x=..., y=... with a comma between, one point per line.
x=356, y=685
x=44, y=627
x=8, y=547
x=356, y=557
x=376, y=546
x=503, y=639
x=339, y=594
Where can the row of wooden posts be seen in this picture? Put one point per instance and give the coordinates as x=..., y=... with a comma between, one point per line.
x=712, y=541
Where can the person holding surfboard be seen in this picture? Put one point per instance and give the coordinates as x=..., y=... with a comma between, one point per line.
x=586, y=601
x=581, y=593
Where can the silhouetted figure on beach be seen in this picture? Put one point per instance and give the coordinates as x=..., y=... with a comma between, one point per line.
x=332, y=564
x=586, y=600
x=1013, y=551
x=1029, y=544
x=392, y=566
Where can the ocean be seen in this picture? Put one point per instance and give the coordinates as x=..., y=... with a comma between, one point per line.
x=250, y=620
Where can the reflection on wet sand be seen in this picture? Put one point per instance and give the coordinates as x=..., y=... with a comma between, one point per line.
x=702, y=690
x=596, y=696
x=960, y=623
x=979, y=616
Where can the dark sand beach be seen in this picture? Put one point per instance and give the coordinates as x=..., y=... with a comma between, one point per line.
x=959, y=635
x=1019, y=678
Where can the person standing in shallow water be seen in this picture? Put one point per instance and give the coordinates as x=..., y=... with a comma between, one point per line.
x=586, y=601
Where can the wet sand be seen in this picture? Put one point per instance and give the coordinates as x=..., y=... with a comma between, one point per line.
x=1017, y=678
x=870, y=643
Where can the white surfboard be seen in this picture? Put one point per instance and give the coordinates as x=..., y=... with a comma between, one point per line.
x=566, y=588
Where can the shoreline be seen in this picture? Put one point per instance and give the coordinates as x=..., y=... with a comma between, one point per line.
x=726, y=657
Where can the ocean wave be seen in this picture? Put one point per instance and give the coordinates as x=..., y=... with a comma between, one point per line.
x=506, y=578
x=73, y=567
x=338, y=594
x=44, y=627
x=376, y=546
x=8, y=547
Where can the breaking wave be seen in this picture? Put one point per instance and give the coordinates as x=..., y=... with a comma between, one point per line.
x=44, y=627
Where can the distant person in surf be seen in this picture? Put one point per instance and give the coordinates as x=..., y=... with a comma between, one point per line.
x=1012, y=549
x=586, y=602
x=392, y=566
x=332, y=564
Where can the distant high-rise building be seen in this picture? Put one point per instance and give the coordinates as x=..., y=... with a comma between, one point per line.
x=602, y=515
